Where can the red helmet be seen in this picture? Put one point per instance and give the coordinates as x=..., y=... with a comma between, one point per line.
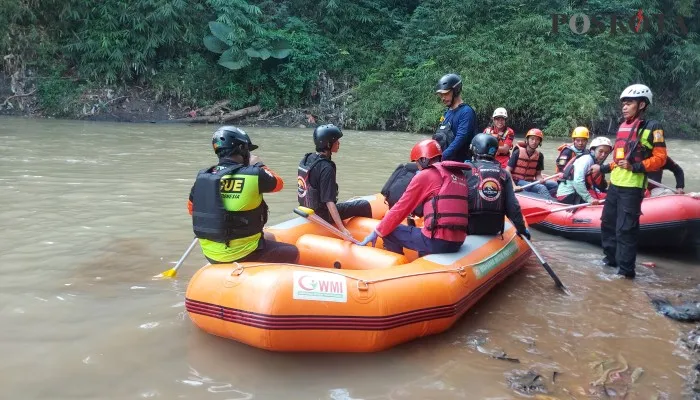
x=534, y=132
x=427, y=148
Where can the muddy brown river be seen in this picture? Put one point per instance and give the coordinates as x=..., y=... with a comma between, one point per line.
x=89, y=212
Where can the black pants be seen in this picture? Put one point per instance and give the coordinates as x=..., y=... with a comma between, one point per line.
x=347, y=209
x=573, y=199
x=620, y=227
x=269, y=251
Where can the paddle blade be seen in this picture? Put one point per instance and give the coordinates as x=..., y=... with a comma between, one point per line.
x=307, y=210
x=536, y=217
x=167, y=274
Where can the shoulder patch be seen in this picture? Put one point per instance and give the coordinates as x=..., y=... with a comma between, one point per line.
x=658, y=136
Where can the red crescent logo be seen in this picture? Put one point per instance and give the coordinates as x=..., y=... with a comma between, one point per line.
x=301, y=283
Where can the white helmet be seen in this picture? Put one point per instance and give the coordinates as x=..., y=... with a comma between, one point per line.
x=500, y=112
x=600, y=141
x=637, y=91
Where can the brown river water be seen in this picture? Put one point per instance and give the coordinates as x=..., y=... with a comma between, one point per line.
x=89, y=212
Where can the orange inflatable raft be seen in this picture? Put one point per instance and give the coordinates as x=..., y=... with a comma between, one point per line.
x=341, y=297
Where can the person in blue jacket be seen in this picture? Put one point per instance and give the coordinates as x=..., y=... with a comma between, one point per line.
x=458, y=124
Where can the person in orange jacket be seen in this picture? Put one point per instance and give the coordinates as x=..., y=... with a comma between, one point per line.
x=639, y=148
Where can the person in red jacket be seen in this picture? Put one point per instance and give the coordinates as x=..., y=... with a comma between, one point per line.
x=437, y=186
x=503, y=134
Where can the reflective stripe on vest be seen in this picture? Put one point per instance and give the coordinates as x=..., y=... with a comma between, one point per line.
x=526, y=166
x=486, y=198
x=449, y=208
x=631, y=144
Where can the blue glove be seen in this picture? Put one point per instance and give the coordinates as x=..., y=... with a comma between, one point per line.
x=526, y=234
x=372, y=237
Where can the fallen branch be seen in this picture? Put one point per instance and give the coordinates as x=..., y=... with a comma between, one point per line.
x=213, y=109
x=7, y=100
x=240, y=113
x=222, y=118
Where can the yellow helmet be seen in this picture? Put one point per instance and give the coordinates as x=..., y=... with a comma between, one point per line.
x=580, y=132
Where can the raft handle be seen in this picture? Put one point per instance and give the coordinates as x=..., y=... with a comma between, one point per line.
x=462, y=272
x=238, y=271
x=362, y=285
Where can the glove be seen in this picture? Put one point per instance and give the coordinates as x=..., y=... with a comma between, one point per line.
x=372, y=237
x=526, y=233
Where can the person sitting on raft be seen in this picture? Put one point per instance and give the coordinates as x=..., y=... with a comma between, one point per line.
x=569, y=151
x=503, y=134
x=317, y=187
x=579, y=183
x=526, y=165
x=439, y=186
x=490, y=191
x=658, y=175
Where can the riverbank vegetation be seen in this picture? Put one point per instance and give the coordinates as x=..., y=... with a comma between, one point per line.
x=373, y=63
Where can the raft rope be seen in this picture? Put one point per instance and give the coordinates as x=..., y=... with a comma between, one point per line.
x=461, y=270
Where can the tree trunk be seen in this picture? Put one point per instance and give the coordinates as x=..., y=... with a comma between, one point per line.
x=222, y=118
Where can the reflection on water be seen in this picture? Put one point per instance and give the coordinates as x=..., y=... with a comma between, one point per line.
x=90, y=212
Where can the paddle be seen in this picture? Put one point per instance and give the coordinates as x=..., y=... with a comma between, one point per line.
x=520, y=189
x=546, y=266
x=661, y=185
x=311, y=215
x=173, y=271
x=537, y=217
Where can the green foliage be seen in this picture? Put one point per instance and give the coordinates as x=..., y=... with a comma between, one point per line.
x=233, y=56
x=120, y=41
x=271, y=52
x=58, y=96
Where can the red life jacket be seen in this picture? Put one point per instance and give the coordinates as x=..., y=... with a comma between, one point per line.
x=501, y=137
x=449, y=209
x=627, y=144
x=526, y=166
x=596, y=180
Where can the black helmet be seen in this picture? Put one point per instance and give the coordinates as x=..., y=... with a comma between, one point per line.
x=325, y=136
x=484, y=145
x=230, y=137
x=449, y=82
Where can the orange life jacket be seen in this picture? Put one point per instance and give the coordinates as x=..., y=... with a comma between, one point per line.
x=526, y=166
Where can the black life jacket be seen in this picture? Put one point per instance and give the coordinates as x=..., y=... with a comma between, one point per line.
x=211, y=220
x=444, y=135
x=308, y=195
x=487, y=202
x=397, y=183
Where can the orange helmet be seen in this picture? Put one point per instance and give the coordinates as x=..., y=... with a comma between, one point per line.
x=427, y=148
x=534, y=132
